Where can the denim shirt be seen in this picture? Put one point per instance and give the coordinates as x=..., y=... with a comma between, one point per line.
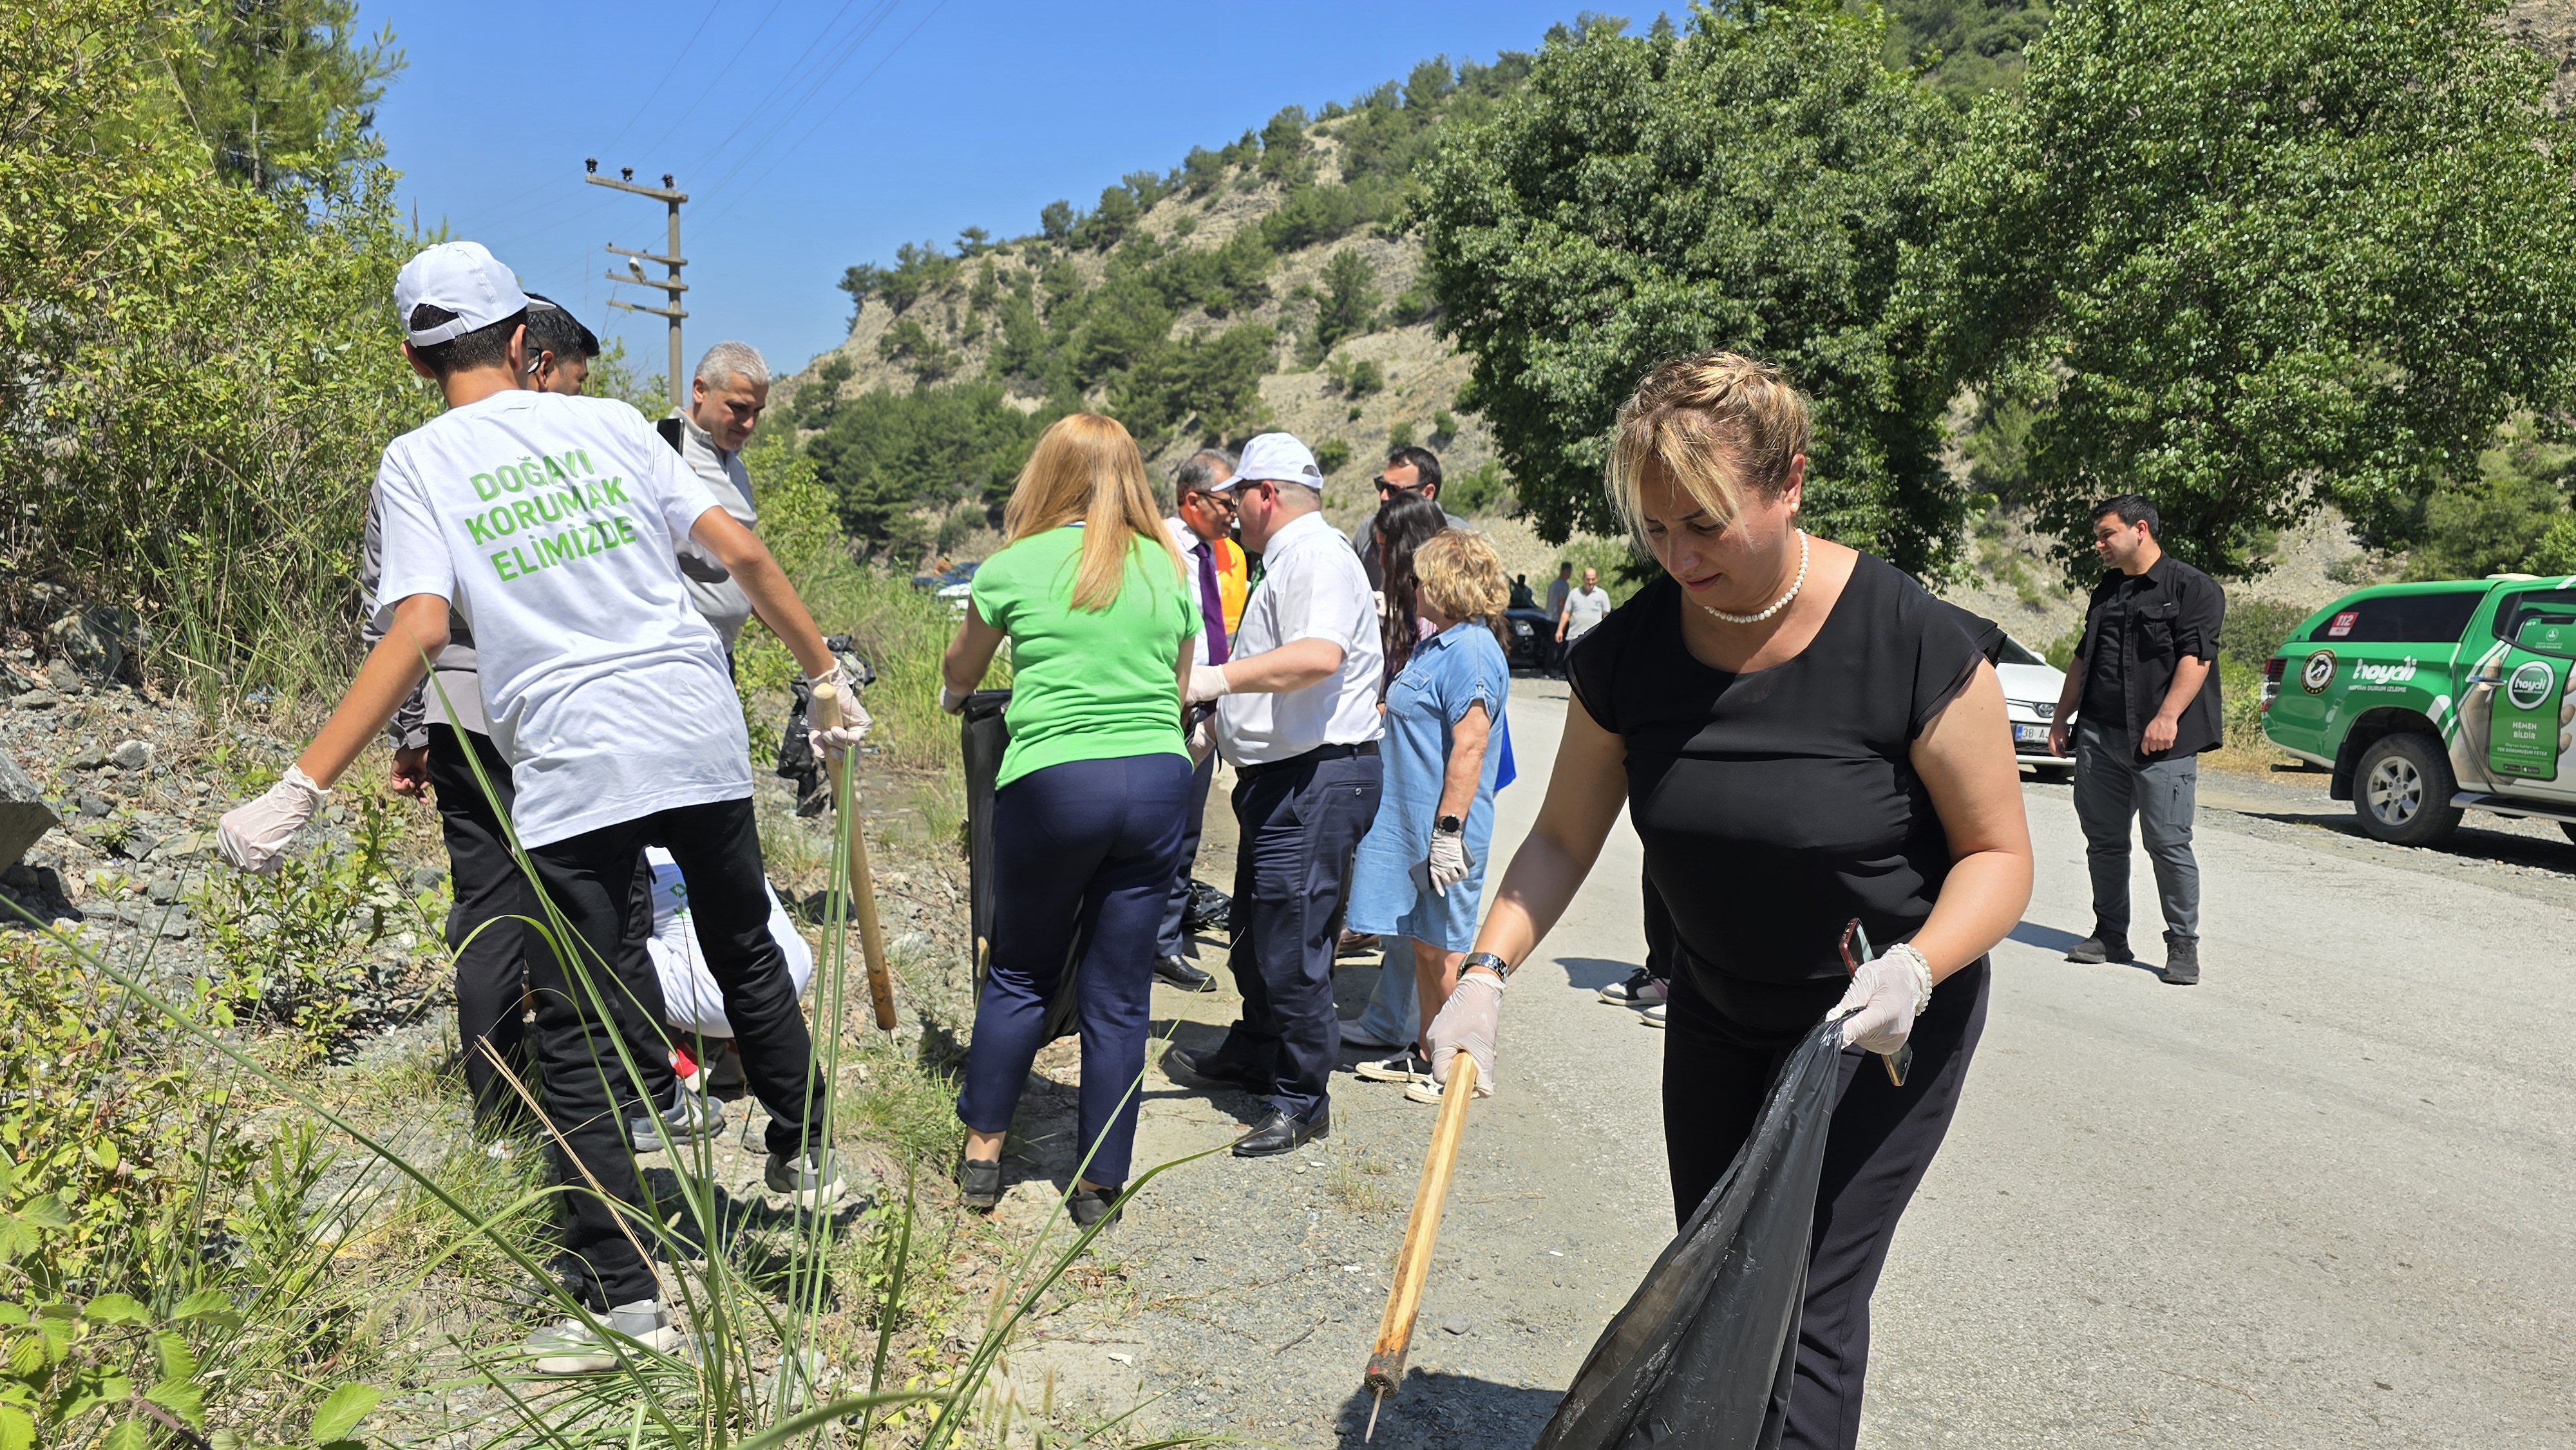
x=1451, y=671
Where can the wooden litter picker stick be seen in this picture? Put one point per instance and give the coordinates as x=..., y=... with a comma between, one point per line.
x=1421, y=1232
x=863, y=886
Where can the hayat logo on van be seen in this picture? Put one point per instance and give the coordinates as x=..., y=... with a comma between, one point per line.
x=2372, y=672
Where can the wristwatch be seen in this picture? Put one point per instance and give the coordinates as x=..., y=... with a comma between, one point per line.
x=1452, y=825
x=1489, y=962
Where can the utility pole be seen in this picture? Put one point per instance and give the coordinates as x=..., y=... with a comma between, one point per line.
x=671, y=261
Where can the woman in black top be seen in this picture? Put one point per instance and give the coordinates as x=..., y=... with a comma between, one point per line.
x=1802, y=737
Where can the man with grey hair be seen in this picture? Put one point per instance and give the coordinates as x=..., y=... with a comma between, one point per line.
x=1202, y=526
x=725, y=401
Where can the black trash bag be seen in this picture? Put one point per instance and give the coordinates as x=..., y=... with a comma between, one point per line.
x=797, y=761
x=982, y=738
x=1704, y=1354
x=1209, y=909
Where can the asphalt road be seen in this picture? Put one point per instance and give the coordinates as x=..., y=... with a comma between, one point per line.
x=2327, y=1198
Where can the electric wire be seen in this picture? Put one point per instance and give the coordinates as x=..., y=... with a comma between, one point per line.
x=823, y=58
x=823, y=77
x=678, y=59
x=715, y=80
x=780, y=157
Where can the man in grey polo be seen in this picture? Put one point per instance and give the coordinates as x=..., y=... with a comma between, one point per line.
x=1297, y=717
x=725, y=402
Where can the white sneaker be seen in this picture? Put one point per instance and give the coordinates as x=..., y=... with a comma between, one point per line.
x=1427, y=1091
x=584, y=1346
x=1639, y=990
x=1407, y=1066
x=1653, y=1016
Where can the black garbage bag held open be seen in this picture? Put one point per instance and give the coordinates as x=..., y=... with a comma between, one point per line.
x=1704, y=1354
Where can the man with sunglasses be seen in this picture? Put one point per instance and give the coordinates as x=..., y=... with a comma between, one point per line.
x=1202, y=526
x=1297, y=717
x=1408, y=470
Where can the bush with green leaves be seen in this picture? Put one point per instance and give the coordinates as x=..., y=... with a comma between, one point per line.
x=1333, y=454
x=2252, y=257
x=202, y=370
x=1755, y=181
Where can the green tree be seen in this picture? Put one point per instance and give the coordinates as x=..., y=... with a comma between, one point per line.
x=2249, y=257
x=284, y=91
x=1755, y=182
x=1348, y=305
x=888, y=455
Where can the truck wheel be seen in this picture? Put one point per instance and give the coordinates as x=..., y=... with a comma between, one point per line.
x=2570, y=828
x=2402, y=791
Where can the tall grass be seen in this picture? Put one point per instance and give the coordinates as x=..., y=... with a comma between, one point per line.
x=756, y=1289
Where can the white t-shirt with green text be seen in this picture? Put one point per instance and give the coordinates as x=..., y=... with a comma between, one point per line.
x=549, y=523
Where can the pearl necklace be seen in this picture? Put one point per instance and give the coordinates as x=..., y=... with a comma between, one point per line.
x=1777, y=604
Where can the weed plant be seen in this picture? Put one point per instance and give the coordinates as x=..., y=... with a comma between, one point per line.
x=168, y=1285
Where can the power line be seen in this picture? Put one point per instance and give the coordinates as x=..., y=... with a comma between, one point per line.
x=678, y=58
x=717, y=79
x=855, y=87
x=824, y=58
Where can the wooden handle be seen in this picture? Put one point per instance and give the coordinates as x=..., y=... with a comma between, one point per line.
x=1422, y=1230
x=863, y=887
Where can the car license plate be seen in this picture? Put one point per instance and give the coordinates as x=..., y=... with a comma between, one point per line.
x=2030, y=735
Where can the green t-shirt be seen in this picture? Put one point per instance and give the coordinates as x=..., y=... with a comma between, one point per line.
x=1086, y=684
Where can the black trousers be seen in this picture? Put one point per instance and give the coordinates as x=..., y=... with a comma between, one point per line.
x=483, y=935
x=1301, y=821
x=590, y=880
x=1171, y=940
x=1727, y=1038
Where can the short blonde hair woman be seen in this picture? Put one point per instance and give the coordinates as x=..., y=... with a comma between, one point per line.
x=1802, y=738
x=1089, y=800
x=1420, y=871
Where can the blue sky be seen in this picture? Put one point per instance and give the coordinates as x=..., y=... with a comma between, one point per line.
x=812, y=134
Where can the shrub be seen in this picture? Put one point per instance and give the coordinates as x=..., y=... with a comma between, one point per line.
x=1399, y=434
x=1488, y=490
x=1332, y=454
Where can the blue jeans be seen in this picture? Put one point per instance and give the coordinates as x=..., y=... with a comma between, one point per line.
x=1394, y=1012
x=1082, y=848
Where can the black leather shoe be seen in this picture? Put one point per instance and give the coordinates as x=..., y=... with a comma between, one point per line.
x=1090, y=1205
x=1279, y=1133
x=2101, y=947
x=979, y=1181
x=1210, y=1068
x=1177, y=972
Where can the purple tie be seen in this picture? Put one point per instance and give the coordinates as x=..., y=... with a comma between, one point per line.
x=1211, y=604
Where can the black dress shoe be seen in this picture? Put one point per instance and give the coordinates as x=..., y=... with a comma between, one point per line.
x=1210, y=1068
x=979, y=1181
x=1279, y=1133
x=1090, y=1205
x=1176, y=972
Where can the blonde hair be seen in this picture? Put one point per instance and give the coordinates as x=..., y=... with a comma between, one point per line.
x=1459, y=574
x=1717, y=422
x=1086, y=470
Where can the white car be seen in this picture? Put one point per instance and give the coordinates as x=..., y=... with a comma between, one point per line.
x=2031, y=687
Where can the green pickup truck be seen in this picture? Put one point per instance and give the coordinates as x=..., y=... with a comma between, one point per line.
x=2426, y=699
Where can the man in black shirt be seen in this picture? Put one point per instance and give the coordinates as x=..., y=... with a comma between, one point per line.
x=2144, y=677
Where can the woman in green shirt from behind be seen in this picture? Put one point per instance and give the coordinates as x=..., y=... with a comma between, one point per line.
x=1091, y=794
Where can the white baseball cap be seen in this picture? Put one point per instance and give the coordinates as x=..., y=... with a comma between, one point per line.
x=1277, y=458
x=463, y=278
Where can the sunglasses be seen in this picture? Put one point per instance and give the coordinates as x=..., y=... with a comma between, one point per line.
x=1385, y=487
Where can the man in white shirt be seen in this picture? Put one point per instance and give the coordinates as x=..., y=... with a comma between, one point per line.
x=1202, y=522
x=1297, y=718
x=550, y=524
x=1584, y=610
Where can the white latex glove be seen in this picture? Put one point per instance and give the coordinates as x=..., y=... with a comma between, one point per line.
x=953, y=702
x=1468, y=1023
x=839, y=679
x=253, y=835
x=1448, y=859
x=1206, y=683
x=845, y=736
x=1886, y=993
x=1202, y=740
